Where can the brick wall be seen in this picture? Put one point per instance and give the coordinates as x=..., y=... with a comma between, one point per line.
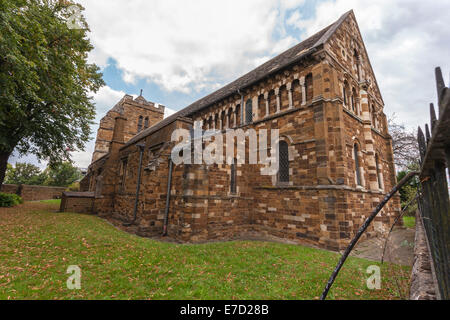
x=77, y=202
x=320, y=205
x=131, y=109
x=34, y=193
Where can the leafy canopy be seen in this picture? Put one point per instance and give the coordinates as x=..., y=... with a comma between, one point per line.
x=62, y=174
x=25, y=173
x=45, y=80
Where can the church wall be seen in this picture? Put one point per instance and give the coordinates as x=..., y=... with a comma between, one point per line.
x=321, y=205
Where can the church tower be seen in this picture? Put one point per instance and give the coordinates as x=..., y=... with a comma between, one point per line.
x=139, y=115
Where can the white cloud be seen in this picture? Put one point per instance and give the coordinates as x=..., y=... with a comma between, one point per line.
x=168, y=112
x=185, y=45
x=201, y=44
x=105, y=99
x=405, y=39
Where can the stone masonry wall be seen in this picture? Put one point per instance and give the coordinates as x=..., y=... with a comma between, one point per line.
x=34, y=193
x=77, y=202
x=309, y=103
x=131, y=109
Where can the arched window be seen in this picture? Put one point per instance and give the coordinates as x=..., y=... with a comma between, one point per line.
x=374, y=117
x=222, y=120
x=344, y=94
x=141, y=119
x=284, y=98
x=210, y=123
x=261, y=107
x=283, y=171
x=216, y=122
x=296, y=93
x=230, y=118
x=309, y=87
x=357, y=166
x=379, y=176
x=248, y=112
x=358, y=65
x=146, y=122
x=238, y=115
x=272, y=102
x=233, y=177
x=353, y=102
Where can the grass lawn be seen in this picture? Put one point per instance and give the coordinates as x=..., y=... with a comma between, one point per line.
x=54, y=201
x=409, y=222
x=37, y=245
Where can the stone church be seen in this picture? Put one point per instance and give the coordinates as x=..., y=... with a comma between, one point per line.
x=336, y=158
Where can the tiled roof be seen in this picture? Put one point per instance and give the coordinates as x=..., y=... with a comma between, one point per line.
x=274, y=65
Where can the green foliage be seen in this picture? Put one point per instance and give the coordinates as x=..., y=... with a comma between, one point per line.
x=46, y=83
x=409, y=222
x=62, y=174
x=409, y=191
x=9, y=200
x=118, y=265
x=52, y=201
x=74, y=187
x=25, y=173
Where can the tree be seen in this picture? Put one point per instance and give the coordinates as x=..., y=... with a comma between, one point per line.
x=62, y=174
x=25, y=173
x=409, y=192
x=404, y=144
x=45, y=81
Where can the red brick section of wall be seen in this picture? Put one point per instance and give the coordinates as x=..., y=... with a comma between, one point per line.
x=34, y=193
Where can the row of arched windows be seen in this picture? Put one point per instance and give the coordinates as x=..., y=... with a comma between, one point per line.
x=351, y=102
x=351, y=99
x=358, y=171
x=297, y=93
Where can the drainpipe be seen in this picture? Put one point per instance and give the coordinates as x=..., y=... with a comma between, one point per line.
x=138, y=188
x=169, y=187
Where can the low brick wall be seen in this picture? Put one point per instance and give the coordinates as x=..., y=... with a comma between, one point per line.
x=33, y=193
x=77, y=202
x=9, y=188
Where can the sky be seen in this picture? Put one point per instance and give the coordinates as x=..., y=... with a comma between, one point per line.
x=180, y=51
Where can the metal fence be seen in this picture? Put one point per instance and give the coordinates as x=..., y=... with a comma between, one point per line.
x=434, y=206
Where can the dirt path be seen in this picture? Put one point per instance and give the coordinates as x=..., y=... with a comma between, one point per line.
x=399, y=250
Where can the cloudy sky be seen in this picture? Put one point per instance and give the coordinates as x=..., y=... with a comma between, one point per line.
x=179, y=51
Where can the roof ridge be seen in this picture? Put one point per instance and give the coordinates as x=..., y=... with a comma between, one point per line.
x=275, y=64
x=333, y=28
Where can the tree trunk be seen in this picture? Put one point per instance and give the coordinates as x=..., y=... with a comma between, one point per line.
x=4, y=156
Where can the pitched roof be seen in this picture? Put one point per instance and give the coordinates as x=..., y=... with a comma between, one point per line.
x=287, y=58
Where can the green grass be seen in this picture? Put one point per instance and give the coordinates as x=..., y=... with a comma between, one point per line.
x=54, y=201
x=409, y=222
x=37, y=245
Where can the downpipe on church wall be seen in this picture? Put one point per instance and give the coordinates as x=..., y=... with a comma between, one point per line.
x=169, y=187
x=138, y=187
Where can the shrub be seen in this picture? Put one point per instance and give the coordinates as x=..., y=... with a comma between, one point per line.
x=9, y=200
x=74, y=187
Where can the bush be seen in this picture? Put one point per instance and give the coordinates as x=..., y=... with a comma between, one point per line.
x=9, y=200
x=74, y=187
